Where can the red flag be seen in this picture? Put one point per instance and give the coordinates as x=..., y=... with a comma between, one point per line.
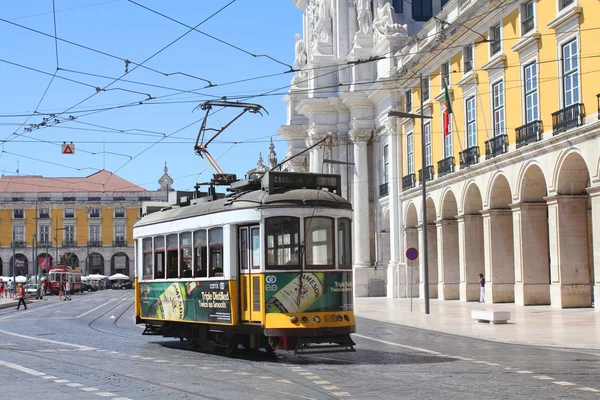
x=448, y=110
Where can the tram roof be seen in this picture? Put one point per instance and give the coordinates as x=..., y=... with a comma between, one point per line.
x=251, y=199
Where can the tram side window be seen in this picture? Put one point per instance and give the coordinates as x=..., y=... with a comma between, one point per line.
x=159, y=257
x=147, y=258
x=200, y=254
x=319, y=242
x=172, y=257
x=344, y=243
x=185, y=254
x=283, y=235
x=215, y=245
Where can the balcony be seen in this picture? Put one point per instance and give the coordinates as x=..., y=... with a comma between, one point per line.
x=527, y=25
x=428, y=174
x=121, y=242
x=69, y=243
x=44, y=216
x=496, y=146
x=383, y=190
x=469, y=156
x=18, y=243
x=43, y=244
x=567, y=118
x=565, y=3
x=408, y=181
x=18, y=215
x=529, y=133
x=446, y=166
x=94, y=243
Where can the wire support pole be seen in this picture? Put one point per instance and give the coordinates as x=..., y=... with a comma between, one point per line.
x=424, y=209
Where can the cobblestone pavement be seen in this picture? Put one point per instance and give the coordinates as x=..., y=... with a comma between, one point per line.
x=89, y=348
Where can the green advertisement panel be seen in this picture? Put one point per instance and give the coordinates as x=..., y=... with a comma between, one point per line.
x=308, y=292
x=186, y=301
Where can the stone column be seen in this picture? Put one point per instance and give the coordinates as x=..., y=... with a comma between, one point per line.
x=411, y=271
x=499, y=256
x=360, y=203
x=432, y=260
x=448, y=260
x=595, y=200
x=470, y=250
x=569, y=265
x=532, y=267
x=396, y=248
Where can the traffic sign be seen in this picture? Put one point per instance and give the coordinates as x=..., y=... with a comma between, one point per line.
x=412, y=253
x=68, y=148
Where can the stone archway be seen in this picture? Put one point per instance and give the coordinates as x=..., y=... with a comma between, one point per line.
x=470, y=239
x=568, y=225
x=19, y=265
x=499, y=249
x=531, y=249
x=1, y=267
x=119, y=264
x=45, y=262
x=448, y=254
x=95, y=264
x=70, y=260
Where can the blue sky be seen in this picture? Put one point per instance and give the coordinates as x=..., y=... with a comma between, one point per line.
x=125, y=140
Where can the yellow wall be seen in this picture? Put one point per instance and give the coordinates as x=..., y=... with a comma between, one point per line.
x=132, y=215
x=5, y=227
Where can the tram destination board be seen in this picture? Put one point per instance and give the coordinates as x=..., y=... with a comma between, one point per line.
x=295, y=180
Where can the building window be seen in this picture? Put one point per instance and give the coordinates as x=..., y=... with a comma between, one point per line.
x=447, y=139
x=69, y=213
x=425, y=88
x=44, y=213
x=527, y=17
x=570, y=66
x=44, y=234
x=69, y=233
x=119, y=212
x=531, y=93
x=422, y=10
x=119, y=233
x=18, y=213
x=410, y=150
x=19, y=234
x=468, y=59
x=496, y=40
x=94, y=213
x=498, y=105
x=471, y=122
x=385, y=164
x=562, y=4
x=445, y=74
x=408, y=101
x=95, y=233
x=428, y=156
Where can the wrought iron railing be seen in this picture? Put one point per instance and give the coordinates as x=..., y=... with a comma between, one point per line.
x=445, y=166
x=383, y=190
x=428, y=174
x=95, y=243
x=69, y=243
x=529, y=133
x=567, y=118
x=44, y=243
x=119, y=243
x=527, y=25
x=469, y=156
x=18, y=243
x=496, y=146
x=408, y=181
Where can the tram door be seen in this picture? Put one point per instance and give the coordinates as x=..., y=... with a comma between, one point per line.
x=249, y=266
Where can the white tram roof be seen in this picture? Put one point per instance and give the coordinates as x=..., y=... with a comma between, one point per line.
x=250, y=199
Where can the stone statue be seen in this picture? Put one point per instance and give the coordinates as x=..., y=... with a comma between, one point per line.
x=323, y=12
x=384, y=24
x=300, y=60
x=365, y=18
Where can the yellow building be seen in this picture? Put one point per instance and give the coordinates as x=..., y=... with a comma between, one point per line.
x=512, y=191
x=83, y=222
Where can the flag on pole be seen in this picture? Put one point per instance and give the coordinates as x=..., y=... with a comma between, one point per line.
x=448, y=110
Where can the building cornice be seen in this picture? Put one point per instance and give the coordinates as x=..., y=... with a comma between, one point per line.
x=526, y=41
x=565, y=16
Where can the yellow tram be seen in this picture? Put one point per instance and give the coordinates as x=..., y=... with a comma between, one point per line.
x=268, y=266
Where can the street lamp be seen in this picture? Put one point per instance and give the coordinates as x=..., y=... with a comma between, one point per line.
x=424, y=192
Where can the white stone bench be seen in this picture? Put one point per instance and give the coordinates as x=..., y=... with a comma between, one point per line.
x=491, y=316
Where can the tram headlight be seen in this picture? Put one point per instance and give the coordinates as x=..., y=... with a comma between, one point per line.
x=346, y=317
x=316, y=319
x=340, y=318
x=304, y=319
x=293, y=319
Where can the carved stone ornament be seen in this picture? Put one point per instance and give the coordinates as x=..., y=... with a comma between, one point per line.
x=361, y=135
x=319, y=24
x=364, y=16
x=383, y=24
x=301, y=57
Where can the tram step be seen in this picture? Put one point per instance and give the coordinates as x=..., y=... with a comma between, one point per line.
x=313, y=345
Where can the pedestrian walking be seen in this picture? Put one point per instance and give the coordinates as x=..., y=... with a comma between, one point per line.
x=481, y=288
x=21, y=296
x=1, y=288
x=68, y=290
x=11, y=288
x=61, y=292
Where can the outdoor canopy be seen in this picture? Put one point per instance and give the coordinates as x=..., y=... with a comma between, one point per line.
x=118, y=276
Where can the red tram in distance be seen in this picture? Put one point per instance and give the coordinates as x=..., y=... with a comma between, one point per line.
x=59, y=275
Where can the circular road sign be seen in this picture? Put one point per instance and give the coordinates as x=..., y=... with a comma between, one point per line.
x=412, y=253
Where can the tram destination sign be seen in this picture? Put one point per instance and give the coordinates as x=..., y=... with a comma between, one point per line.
x=294, y=180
